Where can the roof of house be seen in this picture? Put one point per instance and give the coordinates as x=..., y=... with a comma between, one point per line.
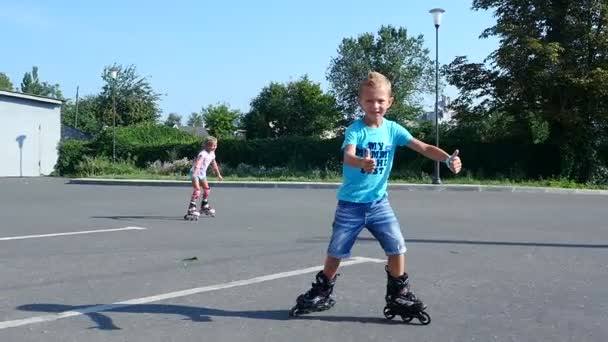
x=69, y=132
x=30, y=97
x=199, y=131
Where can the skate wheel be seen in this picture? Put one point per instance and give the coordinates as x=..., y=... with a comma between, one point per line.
x=388, y=313
x=424, y=318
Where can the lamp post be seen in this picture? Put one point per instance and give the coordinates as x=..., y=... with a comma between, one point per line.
x=76, y=116
x=436, y=12
x=113, y=75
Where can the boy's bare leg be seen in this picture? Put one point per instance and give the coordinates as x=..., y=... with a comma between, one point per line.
x=331, y=267
x=396, y=265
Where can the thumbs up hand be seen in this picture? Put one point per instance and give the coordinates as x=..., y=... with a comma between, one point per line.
x=453, y=162
x=369, y=164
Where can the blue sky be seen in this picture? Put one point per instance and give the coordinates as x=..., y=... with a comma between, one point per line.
x=198, y=53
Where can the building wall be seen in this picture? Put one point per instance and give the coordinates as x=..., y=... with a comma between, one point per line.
x=445, y=114
x=29, y=134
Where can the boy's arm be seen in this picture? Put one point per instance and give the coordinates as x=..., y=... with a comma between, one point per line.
x=437, y=154
x=216, y=169
x=350, y=158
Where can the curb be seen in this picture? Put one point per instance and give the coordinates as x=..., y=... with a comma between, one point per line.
x=320, y=185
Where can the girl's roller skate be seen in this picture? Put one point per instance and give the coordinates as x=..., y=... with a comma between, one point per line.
x=318, y=298
x=192, y=214
x=400, y=300
x=206, y=209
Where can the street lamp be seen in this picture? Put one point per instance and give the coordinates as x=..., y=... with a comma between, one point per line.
x=436, y=12
x=113, y=75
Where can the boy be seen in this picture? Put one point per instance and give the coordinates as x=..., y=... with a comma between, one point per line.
x=369, y=147
x=198, y=174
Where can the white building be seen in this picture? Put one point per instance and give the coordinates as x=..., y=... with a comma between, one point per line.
x=444, y=113
x=30, y=131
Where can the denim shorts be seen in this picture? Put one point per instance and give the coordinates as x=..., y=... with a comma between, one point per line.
x=200, y=176
x=378, y=217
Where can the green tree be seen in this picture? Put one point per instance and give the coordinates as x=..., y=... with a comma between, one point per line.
x=220, y=120
x=173, y=119
x=5, y=82
x=548, y=79
x=31, y=84
x=401, y=58
x=299, y=108
x=195, y=120
x=88, y=114
x=266, y=110
x=136, y=101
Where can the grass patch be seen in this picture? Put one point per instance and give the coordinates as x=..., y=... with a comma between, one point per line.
x=104, y=168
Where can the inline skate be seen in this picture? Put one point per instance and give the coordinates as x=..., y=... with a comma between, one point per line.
x=401, y=301
x=318, y=298
x=192, y=214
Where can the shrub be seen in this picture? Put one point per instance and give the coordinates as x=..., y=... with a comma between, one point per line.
x=98, y=166
x=71, y=153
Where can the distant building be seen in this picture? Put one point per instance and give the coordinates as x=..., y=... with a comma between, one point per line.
x=240, y=134
x=444, y=113
x=29, y=134
x=202, y=131
x=198, y=131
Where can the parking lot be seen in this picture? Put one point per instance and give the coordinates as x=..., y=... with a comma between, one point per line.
x=119, y=263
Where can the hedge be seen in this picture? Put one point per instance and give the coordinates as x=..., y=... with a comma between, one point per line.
x=148, y=143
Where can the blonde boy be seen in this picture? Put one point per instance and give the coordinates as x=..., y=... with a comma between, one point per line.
x=369, y=148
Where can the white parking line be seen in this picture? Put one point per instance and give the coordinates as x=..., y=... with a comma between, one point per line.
x=70, y=233
x=176, y=294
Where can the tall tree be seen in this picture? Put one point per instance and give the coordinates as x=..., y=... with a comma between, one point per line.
x=86, y=119
x=31, y=84
x=266, y=110
x=136, y=101
x=5, y=82
x=299, y=108
x=401, y=58
x=195, y=120
x=173, y=119
x=548, y=78
x=220, y=120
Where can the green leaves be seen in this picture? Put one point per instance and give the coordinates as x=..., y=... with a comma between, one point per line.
x=547, y=79
x=5, y=82
x=401, y=58
x=86, y=119
x=298, y=108
x=173, y=119
x=136, y=101
x=195, y=120
x=31, y=84
x=220, y=120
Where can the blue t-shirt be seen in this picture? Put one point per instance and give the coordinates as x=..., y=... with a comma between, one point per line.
x=359, y=186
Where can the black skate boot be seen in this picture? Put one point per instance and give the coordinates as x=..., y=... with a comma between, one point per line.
x=318, y=298
x=192, y=214
x=400, y=300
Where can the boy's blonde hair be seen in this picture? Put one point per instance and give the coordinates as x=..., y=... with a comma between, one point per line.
x=375, y=80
